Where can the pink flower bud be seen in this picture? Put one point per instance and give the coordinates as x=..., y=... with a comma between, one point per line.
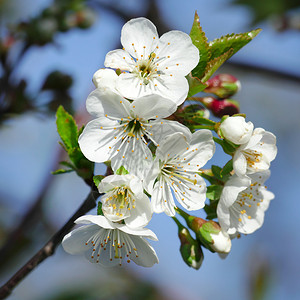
x=223, y=85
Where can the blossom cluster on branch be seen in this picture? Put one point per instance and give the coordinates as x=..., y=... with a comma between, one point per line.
x=156, y=143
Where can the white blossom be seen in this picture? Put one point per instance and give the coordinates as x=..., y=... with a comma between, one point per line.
x=106, y=243
x=176, y=169
x=124, y=199
x=255, y=155
x=153, y=65
x=243, y=203
x=236, y=130
x=123, y=129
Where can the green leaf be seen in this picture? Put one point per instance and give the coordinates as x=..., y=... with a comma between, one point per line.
x=219, y=47
x=97, y=179
x=216, y=171
x=200, y=120
x=67, y=164
x=211, y=210
x=215, y=64
x=80, y=131
x=195, y=85
x=214, y=192
x=67, y=128
x=200, y=41
x=227, y=169
x=62, y=171
x=99, y=209
x=122, y=171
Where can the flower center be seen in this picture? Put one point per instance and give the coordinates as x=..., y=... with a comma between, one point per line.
x=252, y=157
x=133, y=128
x=146, y=68
x=121, y=200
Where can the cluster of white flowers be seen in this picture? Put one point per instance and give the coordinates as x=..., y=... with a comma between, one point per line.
x=244, y=198
x=141, y=86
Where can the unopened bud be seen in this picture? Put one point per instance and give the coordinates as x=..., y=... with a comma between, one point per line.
x=209, y=233
x=221, y=108
x=190, y=248
x=223, y=85
x=236, y=130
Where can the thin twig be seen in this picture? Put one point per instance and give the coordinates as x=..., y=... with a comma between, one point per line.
x=50, y=246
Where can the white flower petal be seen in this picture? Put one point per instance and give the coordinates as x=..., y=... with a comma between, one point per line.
x=119, y=59
x=163, y=128
x=110, y=182
x=223, y=215
x=232, y=188
x=74, y=242
x=141, y=215
x=97, y=220
x=153, y=107
x=239, y=163
x=201, y=149
x=173, y=87
x=135, y=156
x=139, y=37
x=191, y=194
x=105, y=79
x=146, y=255
x=172, y=146
x=138, y=231
x=97, y=144
x=102, y=102
x=157, y=198
x=131, y=86
x=181, y=56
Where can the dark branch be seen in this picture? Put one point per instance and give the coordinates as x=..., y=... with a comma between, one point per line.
x=50, y=246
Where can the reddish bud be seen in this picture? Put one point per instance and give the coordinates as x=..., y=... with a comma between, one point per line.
x=221, y=108
x=223, y=85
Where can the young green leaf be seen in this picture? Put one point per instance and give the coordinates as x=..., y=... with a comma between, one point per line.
x=227, y=168
x=231, y=41
x=211, y=210
x=122, y=171
x=97, y=179
x=67, y=128
x=195, y=85
x=214, y=64
x=200, y=41
x=61, y=171
x=214, y=192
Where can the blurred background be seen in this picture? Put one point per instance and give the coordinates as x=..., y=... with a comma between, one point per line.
x=50, y=60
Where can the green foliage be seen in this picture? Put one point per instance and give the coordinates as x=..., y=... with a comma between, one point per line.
x=214, y=192
x=99, y=208
x=67, y=128
x=214, y=64
x=195, y=85
x=122, y=171
x=97, y=179
x=211, y=210
x=232, y=41
x=200, y=41
x=69, y=133
x=214, y=53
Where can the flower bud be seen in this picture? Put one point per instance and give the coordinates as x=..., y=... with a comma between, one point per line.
x=223, y=85
x=236, y=130
x=211, y=236
x=190, y=248
x=221, y=108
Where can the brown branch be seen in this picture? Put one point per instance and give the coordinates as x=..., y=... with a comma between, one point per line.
x=49, y=248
